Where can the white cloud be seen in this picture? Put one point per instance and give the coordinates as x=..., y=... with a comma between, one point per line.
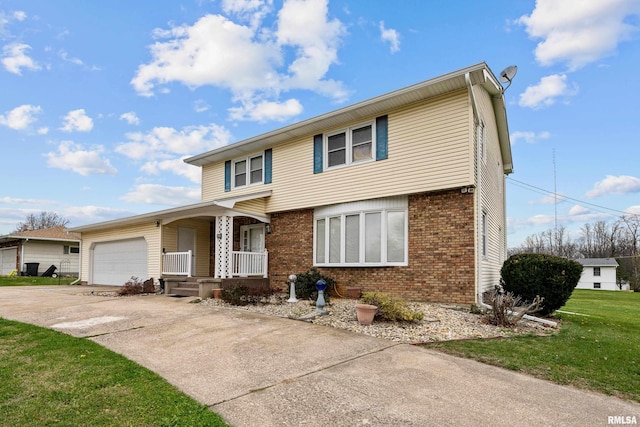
x=130, y=117
x=390, y=36
x=77, y=120
x=80, y=215
x=252, y=11
x=200, y=106
x=546, y=91
x=65, y=57
x=166, y=142
x=550, y=199
x=528, y=136
x=633, y=210
x=74, y=157
x=175, y=166
x=250, y=61
x=14, y=58
x=20, y=117
x=303, y=25
x=6, y=19
x=214, y=51
x=615, y=185
x=163, y=195
x=578, y=210
x=263, y=111
x=578, y=32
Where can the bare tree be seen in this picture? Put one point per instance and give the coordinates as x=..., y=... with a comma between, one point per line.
x=41, y=221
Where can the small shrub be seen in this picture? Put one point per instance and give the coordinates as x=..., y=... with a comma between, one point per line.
x=131, y=287
x=391, y=308
x=306, y=284
x=239, y=294
x=550, y=277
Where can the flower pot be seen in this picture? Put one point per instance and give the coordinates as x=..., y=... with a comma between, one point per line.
x=217, y=293
x=365, y=313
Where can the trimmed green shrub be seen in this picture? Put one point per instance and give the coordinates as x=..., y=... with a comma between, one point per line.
x=391, y=308
x=551, y=277
x=306, y=284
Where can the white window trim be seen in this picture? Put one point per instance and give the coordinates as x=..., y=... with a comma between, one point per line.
x=247, y=161
x=383, y=206
x=348, y=145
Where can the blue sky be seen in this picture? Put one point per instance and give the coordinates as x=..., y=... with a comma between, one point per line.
x=101, y=101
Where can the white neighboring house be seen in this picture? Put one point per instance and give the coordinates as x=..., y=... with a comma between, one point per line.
x=598, y=273
x=45, y=247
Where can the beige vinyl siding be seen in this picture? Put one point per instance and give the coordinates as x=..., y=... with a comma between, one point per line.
x=203, y=241
x=492, y=194
x=49, y=253
x=148, y=230
x=255, y=206
x=428, y=150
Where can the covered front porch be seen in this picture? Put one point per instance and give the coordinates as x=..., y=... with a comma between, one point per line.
x=204, y=247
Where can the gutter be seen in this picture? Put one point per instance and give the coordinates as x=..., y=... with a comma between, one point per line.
x=478, y=196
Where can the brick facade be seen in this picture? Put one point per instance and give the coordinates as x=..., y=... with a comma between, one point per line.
x=441, y=252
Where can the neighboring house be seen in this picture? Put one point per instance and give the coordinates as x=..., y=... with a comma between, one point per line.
x=598, y=273
x=46, y=247
x=403, y=193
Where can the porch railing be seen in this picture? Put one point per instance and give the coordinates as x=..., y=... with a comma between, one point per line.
x=177, y=263
x=249, y=263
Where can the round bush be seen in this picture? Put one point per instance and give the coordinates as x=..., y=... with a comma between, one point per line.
x=551, y=277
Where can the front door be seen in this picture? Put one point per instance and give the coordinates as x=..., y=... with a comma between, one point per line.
x=187, y=242
x=252, y=238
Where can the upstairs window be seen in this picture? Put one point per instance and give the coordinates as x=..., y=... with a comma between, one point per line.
x=596, y=271
x=248, y=171
x=351, y=145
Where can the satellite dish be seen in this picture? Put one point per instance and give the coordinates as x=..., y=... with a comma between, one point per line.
x=506, y=76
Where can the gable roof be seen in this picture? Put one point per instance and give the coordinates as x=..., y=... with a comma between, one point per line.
x=478, y=74
x=55, y=233
x=598, y=262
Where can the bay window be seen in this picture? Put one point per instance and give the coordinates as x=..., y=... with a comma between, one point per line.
x=373, y=236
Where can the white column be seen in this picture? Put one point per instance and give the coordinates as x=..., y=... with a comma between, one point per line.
x=223, y=246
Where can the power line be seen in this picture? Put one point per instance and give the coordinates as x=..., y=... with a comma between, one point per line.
x=563, y=197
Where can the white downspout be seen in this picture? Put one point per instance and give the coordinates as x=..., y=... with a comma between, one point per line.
x=478, y=195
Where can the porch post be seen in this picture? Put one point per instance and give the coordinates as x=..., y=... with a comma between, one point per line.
x=223, y=246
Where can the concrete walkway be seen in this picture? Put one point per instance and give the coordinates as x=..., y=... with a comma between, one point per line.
x=257, y=370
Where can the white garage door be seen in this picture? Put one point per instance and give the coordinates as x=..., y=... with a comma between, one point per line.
x=114, y=263
x=7, y=260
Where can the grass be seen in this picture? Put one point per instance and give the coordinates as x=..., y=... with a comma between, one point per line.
x=597, y=350
x=52, y=379
x=34, y=280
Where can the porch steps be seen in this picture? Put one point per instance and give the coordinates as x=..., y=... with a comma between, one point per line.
x=189, y=289
x=201, y=287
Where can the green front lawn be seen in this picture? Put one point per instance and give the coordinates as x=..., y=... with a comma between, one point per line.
x=52, y=379
x=596, y=349
x=34, y=280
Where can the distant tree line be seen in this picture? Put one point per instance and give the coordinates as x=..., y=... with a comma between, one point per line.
x=619, y=240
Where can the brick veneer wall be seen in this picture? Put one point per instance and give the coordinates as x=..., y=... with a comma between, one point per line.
x=441, y=252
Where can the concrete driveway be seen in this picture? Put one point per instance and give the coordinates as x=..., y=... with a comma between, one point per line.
x=257, y=370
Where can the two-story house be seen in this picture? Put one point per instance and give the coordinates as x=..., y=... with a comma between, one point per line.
x=403, y=193
x=598, y=273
